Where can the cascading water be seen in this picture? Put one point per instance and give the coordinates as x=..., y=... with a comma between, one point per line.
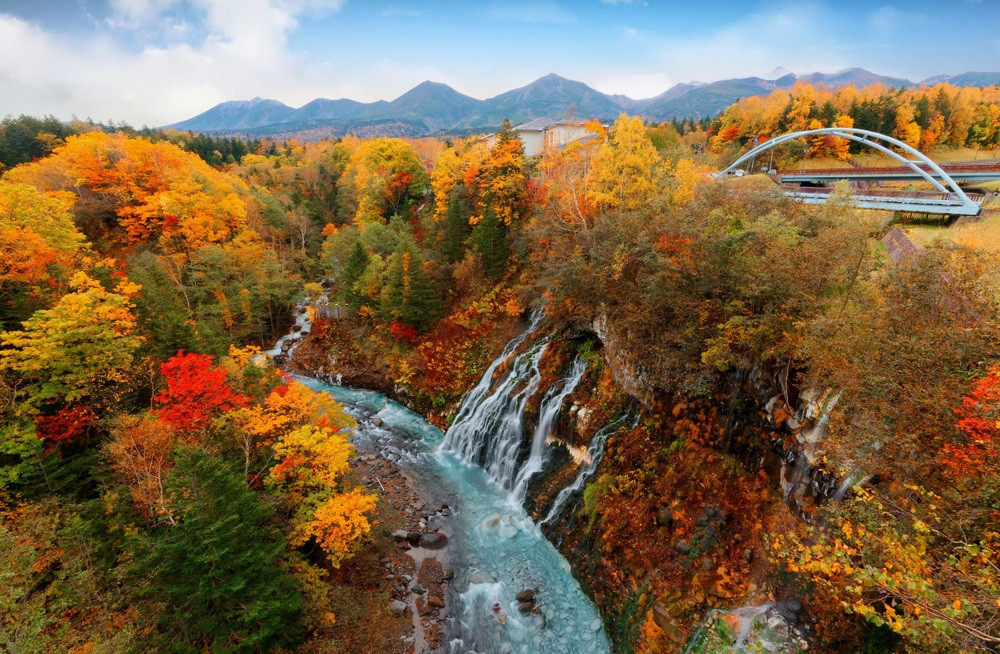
x=495, y=549
x=596, y=452
x=489, y=433
x=548, y=412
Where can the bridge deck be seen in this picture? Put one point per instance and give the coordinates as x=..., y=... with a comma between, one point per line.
x=967, y=171
x=911, y=201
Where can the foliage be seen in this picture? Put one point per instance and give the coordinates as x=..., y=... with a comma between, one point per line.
x=234, y=594
x=81, y=348
x=196, y=392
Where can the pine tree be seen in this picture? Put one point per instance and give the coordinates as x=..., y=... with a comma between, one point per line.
x=490, y=239
x=456, y=228
x=217, y=570
x=357, y=263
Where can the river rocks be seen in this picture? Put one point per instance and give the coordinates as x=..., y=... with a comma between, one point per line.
x=398, y=607
x=377, y=421
x=413, y=538
x=436, y=602
x=400, y=534
x=417, y=589
x=526, y=595
x=596, y=625
x=524, y=607
x=434, y=541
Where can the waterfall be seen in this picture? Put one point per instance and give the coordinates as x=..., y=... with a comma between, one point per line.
x=548, y=412
x=596, y=451
x=488, y=429
x=489, y=432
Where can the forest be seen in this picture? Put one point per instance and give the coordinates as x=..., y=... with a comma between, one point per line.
x=164, y=486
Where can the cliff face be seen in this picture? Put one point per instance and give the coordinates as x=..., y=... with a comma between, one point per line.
x=668, y=533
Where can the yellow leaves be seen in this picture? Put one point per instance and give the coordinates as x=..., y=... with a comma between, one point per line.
x=312, y=456
x=341, y=522
x=689, y=177
x=622, y=176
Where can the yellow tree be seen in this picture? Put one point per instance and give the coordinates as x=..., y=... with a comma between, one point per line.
x=623, y=175
x=382, y=178
x=907, y=130
x=689, y=176
x=81, y=348
x=502, y=183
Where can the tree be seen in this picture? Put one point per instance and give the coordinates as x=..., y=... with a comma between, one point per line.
x=80, y=348
x=490, y=239
x=355, y=267
x=623, y=175
x=407, y=292
x=456, y=228
x=219, y=569
x=384, y=176
x=501, y=182
x=139, y=453
x=196, y=392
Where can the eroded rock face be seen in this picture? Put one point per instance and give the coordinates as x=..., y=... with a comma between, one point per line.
x=629, y=379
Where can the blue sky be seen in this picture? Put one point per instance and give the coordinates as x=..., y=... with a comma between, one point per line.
x=158, y=61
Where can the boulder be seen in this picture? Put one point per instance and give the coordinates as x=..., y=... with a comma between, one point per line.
x=434, y=541
x=398, y=607
x=526, y=595
x=400, y=534
x=436, y=602
x=524, y=607
x=377, y=421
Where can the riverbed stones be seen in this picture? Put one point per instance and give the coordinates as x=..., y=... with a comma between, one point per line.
x=526, y=595
x=433, y=541
x=398, y=607
x=377, y=421
x=436, y=602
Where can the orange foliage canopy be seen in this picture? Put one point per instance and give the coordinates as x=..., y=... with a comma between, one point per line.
x=156, y=190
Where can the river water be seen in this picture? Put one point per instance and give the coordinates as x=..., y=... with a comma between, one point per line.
x=495, y=549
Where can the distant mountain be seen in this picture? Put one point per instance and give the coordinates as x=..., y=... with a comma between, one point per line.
x=432, y=107
x=238, y=115
x=969, y=78
x=710, y=99
x=551, y=96
x=857, y=76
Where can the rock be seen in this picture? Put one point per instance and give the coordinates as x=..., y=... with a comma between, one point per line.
x=524, y=607
x=413, y=537
x=436, y=602
x=400, y=534
x=596, y=625
x=526, y=595
x=398, y=607
x=377, y=421
x=417, y=588
x=434, y=541
x=665, y=518
x=683, y=547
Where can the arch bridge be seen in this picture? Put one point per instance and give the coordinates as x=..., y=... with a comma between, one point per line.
x=947, y=198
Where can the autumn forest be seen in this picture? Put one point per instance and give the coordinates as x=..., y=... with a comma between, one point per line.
x=752, y=425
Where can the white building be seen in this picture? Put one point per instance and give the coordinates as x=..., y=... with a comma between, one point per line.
x=542, y=133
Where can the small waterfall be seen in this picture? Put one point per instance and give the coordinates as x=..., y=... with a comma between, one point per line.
x=488, y=429
x=596, y=451
x=488, y=432
x=547, y=414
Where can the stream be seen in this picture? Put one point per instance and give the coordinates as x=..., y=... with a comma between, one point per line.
x=495, y=549
x=481, y=469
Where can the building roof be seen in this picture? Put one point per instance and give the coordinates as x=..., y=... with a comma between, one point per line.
x=538, y=124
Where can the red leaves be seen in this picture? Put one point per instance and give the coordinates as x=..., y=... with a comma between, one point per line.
x=196, y=392
x=404, y=332
x=66, y=425
x=979, y=420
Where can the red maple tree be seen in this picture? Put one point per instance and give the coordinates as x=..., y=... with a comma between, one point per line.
x=196, y=392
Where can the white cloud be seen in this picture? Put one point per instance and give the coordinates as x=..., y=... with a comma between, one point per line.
x=244, y=52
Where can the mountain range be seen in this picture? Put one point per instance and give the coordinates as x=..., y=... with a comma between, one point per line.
x=435, y=108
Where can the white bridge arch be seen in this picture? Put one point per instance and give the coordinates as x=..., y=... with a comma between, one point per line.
x=956, y=201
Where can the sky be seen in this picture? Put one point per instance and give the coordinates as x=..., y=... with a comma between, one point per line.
x=154, y=62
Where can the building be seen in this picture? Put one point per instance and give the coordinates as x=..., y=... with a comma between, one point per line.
x=542, y=133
